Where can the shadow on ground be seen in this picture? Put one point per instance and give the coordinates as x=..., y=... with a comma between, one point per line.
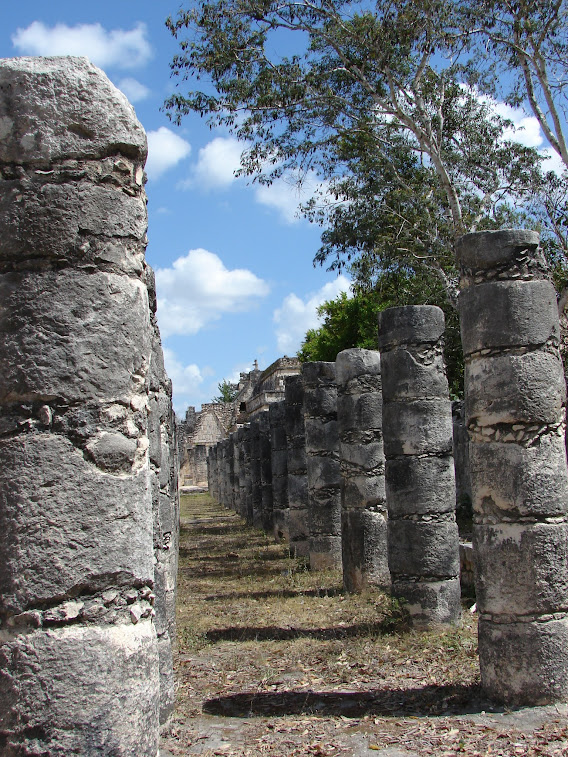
x=423, y=701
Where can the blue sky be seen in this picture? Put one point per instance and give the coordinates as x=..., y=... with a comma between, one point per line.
x=233, y=264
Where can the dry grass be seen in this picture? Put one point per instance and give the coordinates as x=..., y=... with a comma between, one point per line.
x=304, y=665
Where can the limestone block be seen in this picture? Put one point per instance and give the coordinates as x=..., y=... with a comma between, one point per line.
x=524, y=663
x=325, y=512
x=297, y=460
x=63, y=107
x=418, y=427
x=323, y=472
x=67, y=335
x=512, y=481
x=522, y=568
x=321, y=435
x=102, y=700
x=367, y=456
x=297, y=490
x=413, y=374
x=423, y=548
x=511, y=388
x=484, y=250
x=364, y=557
x=360, y=412
x=364, y=492
x=420, y=485
x=325, y=552
x=510, y=314
x=429, y=602
x=412, y=324
x=72, y=508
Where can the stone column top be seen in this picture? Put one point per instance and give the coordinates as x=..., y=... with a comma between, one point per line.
x=355, y=362
x=64, y=107
x=410, y=324
x=487, y=249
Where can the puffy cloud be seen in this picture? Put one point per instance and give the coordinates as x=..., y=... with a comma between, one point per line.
x=133, y=89
x=199, y=289
x=119, y=48
x=295, y=316
x=216, y=164
x=165, y=150
x=525, y=129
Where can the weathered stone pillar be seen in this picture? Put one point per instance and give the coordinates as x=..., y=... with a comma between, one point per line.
x=324, y=475
x=79, y=663
x=230, y=466
x=255, y=483
x=363, y=499
x=265, y=456
x=423, y=541
x=279, y=451
x=461, y=462
x=238, y=473
x=165, y=504
x=246, y=479
x=222, y=468
x=515, y=393
x=297, y=467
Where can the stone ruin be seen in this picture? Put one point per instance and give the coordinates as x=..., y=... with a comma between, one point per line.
x=351, y=462
x=88, y=464
x=371, y=479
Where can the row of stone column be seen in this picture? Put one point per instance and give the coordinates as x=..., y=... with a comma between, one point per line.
x=317, y=475
x=378, y=475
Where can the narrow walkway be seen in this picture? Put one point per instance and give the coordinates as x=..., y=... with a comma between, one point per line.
x=276, y=660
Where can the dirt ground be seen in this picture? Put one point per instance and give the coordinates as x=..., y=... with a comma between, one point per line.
x=276, y=660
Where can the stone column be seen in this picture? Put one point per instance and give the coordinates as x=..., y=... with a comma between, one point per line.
x=423, y=541
x=324, y=475
x=164, y=467
x=79, y=663
x=237, y=472
x=255, y=483
x=246, y=480
x=230, y=465
x=515, y=394
x=221, y=467
x=279, y=450
x=297, y=467
x=265, y=456
x=363, y=499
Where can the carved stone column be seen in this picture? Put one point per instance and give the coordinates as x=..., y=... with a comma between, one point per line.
x=363, y=499
x=515, y=394
x=417, y=426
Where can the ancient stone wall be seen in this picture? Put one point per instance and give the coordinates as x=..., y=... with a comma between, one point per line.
x=88, y=501
x=515, y=395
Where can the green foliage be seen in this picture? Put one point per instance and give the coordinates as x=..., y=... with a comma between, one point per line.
x=227, y=392
x=352, y=321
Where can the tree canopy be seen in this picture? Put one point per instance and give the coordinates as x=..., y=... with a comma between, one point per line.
x=391, y=105
x=227, y=392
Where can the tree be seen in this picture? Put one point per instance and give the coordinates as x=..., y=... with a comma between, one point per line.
x=361, y=84
x=227, y=392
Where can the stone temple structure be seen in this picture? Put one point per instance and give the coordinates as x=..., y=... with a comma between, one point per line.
x=88, y=491
x=197, y=433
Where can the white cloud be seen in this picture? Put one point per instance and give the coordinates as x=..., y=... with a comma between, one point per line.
x=165, y=150
x=525, y=130
x=216, y=164
x=133, y=89
x=123, y=49
x=199, y=289
x=186, y=379
x=553, y=161
x=295, y=316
